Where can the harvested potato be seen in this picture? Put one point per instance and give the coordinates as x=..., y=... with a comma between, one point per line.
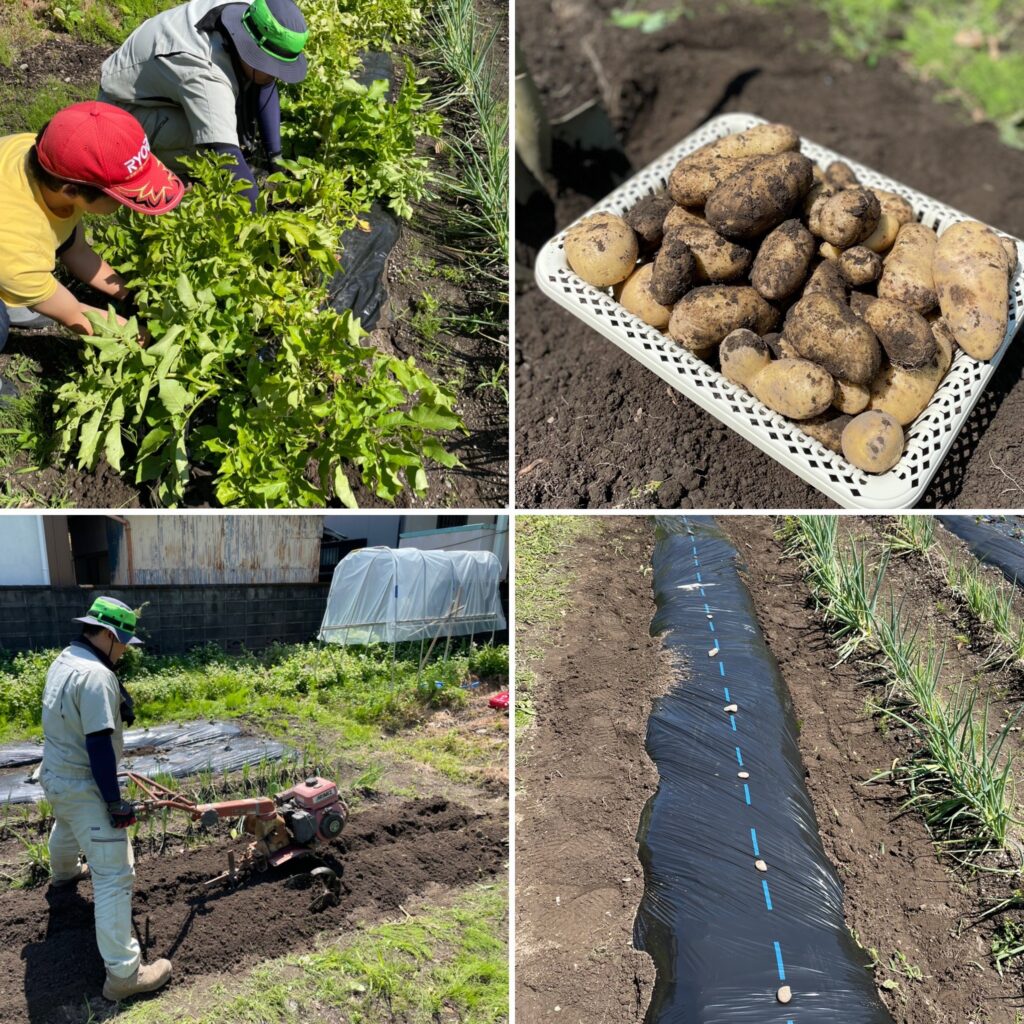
x=944, y=337
x=796, y=388
x=830, y=252
x=759, y=197
x=1010, y=248
x=814, y=202
x=761, y=140
x=850, y=397
x=826, y=331
x=971, y=275
x=896, y=206
x=718, y=259
x=905, y=394
x=704, y=316
x=635, y=294
x=881, y=239
x=680, y=215
x=873, y=441
x=860, y=266
x=780, y=348
x=675, y=271
x=647, y=218
x=849, y=216
x=780, y=266
x=840, y=175
x=827, y=429
x=904, y=333
x=602, y=249
x=907, y=271
x=696, y=176
x=743, y=356
x=827, y=279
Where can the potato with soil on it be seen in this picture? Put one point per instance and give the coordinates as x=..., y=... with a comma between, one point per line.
x=718, y=260
x=680, y=215
x=704, y=316
x=905, y=335
x=971, y=279
x=796, y=388
x=905, y=394
x=896, y=206
x=881, y=239
x=602, y=249
x=759, y=197
x=907, y=274
x=825, y=278
x=697, y=175
x=1010, y=248
x=779, y=347
x=635, y=295
x=780, y=267
x=873, y=441
x=647, y=219
x=840, y=175
x=827, y=429
x=825, y=331
x=743, y=356
x=849, y=217
x=675, y=271
x=851, y=398
x=859, y=302
x=860, y=266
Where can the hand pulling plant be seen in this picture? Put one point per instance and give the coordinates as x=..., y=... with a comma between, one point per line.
x=247, y=375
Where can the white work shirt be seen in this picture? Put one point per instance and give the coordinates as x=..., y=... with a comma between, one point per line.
x=81, y=696
x=169, y=62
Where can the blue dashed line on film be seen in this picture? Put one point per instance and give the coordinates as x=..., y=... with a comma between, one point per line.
x=767, y=895
x=739, y=757
x=778, y=960
x=753, y=839
x=746, y=793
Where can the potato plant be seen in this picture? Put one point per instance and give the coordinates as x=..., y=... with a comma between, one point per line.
x=247, y=374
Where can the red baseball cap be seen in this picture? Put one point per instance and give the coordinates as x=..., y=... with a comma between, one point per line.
x=102, y=145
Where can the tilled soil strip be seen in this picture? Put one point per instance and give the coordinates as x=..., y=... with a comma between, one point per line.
x=49, y=962
x=900, y=897
x=583, y=780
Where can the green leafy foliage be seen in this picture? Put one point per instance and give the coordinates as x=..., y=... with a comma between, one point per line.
x=247, y=374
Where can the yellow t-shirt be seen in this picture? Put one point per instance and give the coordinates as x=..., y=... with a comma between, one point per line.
x=29, y=233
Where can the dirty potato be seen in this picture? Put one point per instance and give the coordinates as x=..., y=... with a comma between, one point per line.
x=849, y=217
x=796, y=388
x=704, y=316
x=680, y=215
x=905, y=335
x=826, y=331
x=851, y=398
x=759, y=197
x=675, y=271
x=826, y=279
x=971, y=275
x=696, y=176
x=780, y=266
x=881, y=239
x=840, y=175
x=896, y=206
x=743, y=356
x=860, y=266
x=635, y=295
x=780, y=348
x=907, y=273
x=602, y=249
x=905, y=394
x=873, y=441
x=827, y=429
x=761, y=140
x=718, y=259
x=647, y=219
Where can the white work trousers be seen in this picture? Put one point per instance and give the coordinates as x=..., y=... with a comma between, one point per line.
x=82, y=825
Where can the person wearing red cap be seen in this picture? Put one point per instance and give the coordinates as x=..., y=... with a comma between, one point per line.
x=204, y=75
x=90, y=158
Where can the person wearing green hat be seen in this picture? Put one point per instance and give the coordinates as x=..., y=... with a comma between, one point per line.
x=204, y=75
x=85, y=710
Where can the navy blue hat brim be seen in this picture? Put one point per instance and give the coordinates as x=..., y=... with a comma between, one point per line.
x=289, y=72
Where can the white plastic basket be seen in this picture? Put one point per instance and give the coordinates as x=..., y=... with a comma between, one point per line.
x=929, y=438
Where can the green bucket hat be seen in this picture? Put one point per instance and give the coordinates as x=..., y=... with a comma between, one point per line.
x=269, y=36
x=114, y=616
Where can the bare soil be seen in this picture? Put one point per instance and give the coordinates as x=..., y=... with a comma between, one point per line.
x=595, y=429
x=388, y=853
x=900, y=896
x=583, y=778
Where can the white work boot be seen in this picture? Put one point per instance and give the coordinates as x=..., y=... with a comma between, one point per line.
x=148, y=978
x=65, y=883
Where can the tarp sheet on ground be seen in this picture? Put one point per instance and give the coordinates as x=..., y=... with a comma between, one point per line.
x=739, y=897
x=386, y=595
x=993, y=539
x=178, y=750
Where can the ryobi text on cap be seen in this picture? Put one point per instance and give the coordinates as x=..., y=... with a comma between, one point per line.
x=135, y=164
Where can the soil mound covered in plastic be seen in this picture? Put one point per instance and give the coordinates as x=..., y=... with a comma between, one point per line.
x=49, y=961
x=596, y=429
